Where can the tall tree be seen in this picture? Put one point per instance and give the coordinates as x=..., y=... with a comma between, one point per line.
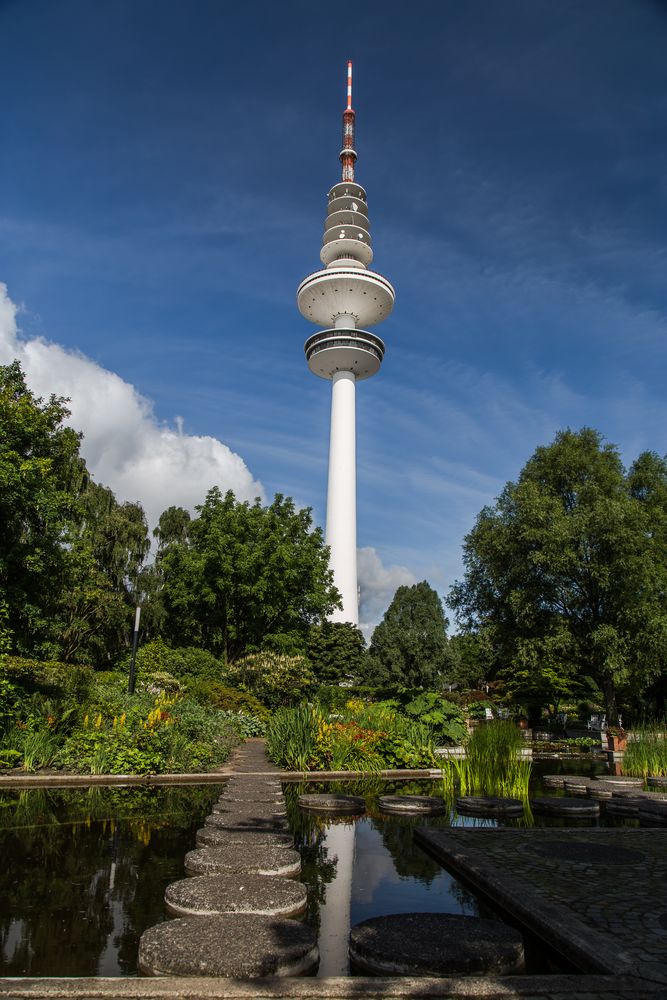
x=336, y=651
x=409, y=646
x=42, y=477
x=573, y=556
x=245, y=574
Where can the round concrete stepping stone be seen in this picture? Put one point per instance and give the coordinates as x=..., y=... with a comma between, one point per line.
x=598, y=790
x=208, y=895
x=435, y=944
x=577, y=785
x=343, y=804
x=658, y=781
x=258, y=809
x=420, y=805
x=211, y=836
x=256, y=795
x=653, y=803
x=264, y=860
x=556, y=806
x=621, y=781
x=553, y=780
x=488, y=805
x=622, y=805
x=236, y=945
x=238, y=822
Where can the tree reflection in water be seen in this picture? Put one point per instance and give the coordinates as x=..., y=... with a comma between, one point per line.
x=85, y=871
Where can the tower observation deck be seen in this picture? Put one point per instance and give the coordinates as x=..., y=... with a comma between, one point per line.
x=344, y=298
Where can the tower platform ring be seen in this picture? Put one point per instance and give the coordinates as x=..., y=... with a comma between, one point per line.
x=338, y=291
x=344, y=350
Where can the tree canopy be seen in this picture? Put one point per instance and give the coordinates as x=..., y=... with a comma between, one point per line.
x=569, y=567
x=336, y=651
x=409, y=647
x=243, y=574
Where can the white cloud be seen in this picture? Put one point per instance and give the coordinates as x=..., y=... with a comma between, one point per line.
x=124, y=445
x=378, y=585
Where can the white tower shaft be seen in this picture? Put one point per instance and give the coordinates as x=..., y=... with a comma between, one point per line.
x=341, y=531
x=343, y=298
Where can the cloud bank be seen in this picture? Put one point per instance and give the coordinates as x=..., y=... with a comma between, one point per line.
x=377, y=584
x=124, y=445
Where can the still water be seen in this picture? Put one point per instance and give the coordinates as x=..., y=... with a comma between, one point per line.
x=84, y=873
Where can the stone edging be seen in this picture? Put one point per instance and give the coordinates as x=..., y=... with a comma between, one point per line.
x=449, y=988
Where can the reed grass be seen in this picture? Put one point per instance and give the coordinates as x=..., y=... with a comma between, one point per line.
x=492, y=765
x=646, y=754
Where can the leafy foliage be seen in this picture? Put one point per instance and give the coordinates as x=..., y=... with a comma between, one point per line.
x=244, y=573
x=336, y=651
x=573, y=557
x=272, y=677
x=409, y=646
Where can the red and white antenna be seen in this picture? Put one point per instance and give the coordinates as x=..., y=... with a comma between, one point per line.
x=348, y=154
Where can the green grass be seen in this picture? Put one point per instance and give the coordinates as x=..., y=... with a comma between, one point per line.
x=492, y=765
x=646, y=754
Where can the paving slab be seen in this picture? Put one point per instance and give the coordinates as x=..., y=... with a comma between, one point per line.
x=596, y=896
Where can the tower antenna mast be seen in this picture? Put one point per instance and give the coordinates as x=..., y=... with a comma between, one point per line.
x=348, y=154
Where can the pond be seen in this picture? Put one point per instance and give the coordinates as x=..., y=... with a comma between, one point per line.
x=85, y=870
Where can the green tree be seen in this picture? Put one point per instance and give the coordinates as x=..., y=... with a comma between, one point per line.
x=336, y=651
x=41, y=479
x=244, y=575
x=409, y=646
x=574, y=553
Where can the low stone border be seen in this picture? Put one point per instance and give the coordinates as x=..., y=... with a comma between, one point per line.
x=566, y=987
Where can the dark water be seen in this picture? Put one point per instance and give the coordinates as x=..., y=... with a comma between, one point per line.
x=84, y=873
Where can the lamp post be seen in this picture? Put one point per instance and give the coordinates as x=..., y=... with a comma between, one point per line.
x=135, y=640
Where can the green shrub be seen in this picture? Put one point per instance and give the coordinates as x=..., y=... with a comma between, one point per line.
x=445, y=719
x=227, y=698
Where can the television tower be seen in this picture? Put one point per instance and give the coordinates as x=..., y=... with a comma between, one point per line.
x=344, y=298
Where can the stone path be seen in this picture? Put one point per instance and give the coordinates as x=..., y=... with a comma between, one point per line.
x=599, y=896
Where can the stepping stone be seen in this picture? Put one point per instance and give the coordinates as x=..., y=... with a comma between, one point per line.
x=208, y=895
x=236, y=945
x=653, y=806
x=211, y=836
x=342, y=804
x=623, y=805
x=260, y=860
x=553, y=780
x=238, y=822
x=420, y=805
x=435, y=944
x=600, y=791
x=621, y=781
x=555, y=806
x=260, y=810
x=576, y=785
x=659, y=781
x=252, y=795
x=488, y=805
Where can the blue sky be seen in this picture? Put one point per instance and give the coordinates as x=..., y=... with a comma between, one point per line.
x=162, y=193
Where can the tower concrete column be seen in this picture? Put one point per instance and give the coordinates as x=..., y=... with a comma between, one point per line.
x=341, y=532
